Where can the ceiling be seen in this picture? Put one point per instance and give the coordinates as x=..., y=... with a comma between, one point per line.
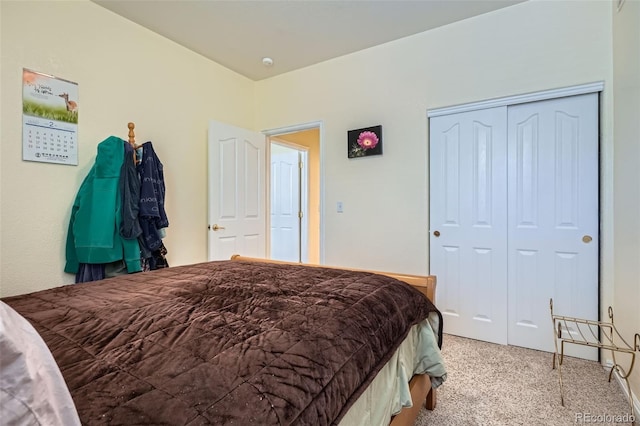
x=294, y=33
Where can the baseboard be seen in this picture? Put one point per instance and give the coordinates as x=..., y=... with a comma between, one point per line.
x=636, y=403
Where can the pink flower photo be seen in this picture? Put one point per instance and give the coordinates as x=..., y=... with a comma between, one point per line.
x=364, y=142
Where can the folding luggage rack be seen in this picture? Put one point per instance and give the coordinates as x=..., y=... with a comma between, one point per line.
x=599, y=334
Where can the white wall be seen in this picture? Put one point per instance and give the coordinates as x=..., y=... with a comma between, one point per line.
x=532, y=46
x=125, y=73
x=626, y=65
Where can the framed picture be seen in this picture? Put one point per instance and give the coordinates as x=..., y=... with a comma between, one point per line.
x=364, y=142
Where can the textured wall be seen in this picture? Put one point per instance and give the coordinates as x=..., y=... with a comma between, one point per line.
x=125, y=73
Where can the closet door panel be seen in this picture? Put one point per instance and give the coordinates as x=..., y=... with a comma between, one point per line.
x=449, y=155
x=567, y=167
x=553, y=217
x=468, y=222
x=526, y=158
x=482, y=192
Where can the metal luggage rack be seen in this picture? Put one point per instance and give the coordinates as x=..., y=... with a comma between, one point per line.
x=599, y=334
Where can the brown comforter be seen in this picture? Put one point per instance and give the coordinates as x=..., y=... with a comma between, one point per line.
x=223, y=342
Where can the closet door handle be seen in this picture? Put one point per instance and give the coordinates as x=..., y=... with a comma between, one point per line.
x=215, y=227
x=587, y=239
x=436, y=233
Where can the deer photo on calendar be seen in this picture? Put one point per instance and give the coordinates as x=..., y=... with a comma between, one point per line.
x=49, y=97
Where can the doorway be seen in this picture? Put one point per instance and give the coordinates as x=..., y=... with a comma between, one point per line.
x=289, y=189
x=302, y=142
x=239, y=189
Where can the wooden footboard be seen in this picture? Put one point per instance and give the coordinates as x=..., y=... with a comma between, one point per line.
x=425, y=283
x=420, y=385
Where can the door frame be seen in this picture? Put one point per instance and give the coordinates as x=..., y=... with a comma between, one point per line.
x=275, y=132
x=604, y=163
x=582, y=89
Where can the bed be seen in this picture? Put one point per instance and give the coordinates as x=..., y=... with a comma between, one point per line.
x=243, y=342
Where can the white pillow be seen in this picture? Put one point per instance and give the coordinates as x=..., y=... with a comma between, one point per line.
x=32, y=390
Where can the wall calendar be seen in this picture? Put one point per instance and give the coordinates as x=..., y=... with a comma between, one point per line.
x=49, y=119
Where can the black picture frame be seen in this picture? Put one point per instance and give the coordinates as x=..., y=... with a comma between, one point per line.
x=364, y=142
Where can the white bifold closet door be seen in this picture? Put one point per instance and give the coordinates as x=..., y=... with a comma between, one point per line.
x=553, y=218
x=468, y=215
x=514, y=199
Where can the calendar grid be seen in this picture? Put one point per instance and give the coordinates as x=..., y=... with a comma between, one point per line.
x=48, y=141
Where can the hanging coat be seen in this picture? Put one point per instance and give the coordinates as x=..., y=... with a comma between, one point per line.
x=94, y=229
x=152, y=215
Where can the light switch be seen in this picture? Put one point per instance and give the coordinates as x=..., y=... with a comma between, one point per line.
x=339, y=207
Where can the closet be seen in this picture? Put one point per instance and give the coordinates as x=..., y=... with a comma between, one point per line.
x=514, y=217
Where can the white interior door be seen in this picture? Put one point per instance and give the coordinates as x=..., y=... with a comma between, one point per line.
x=553, y=218
x=237, y=192
x=468, y=222
x=285, y=204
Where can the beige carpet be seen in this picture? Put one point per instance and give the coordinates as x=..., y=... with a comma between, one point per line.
x=492, y=384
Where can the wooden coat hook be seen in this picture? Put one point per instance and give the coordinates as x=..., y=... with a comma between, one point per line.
x=132, y=141
x=132, y=135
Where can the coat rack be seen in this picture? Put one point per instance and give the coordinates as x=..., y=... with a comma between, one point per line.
x=132, y=135
x=132, y=140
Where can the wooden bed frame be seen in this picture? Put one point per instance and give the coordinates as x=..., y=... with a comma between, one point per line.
x=420, y=384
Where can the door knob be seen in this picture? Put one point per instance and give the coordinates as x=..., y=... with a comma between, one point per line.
x=587, y=239
x=215, y=227
x=436, y=233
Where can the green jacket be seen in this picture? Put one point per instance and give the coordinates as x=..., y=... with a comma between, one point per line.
x=94, y=228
